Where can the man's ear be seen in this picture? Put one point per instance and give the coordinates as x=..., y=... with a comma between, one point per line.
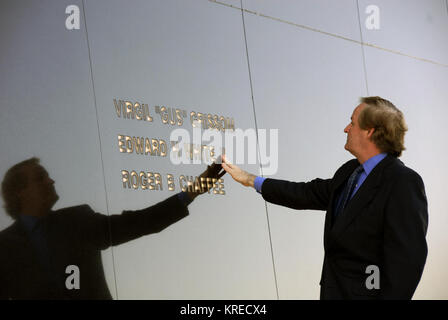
x=370, y=132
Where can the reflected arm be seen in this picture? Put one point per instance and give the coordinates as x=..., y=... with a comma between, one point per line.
x=102, y=231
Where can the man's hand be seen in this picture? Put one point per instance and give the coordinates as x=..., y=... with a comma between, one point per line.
x=239, y=175
x=213, y=172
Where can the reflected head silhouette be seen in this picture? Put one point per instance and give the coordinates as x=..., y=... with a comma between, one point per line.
x=28, y=189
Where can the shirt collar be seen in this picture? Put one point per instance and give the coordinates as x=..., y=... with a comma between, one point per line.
x=372, y=162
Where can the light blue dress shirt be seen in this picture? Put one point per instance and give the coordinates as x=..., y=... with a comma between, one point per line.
x=368, y=167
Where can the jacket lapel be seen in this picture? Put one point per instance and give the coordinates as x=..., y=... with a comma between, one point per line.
x=339, y=183
x=362, y=197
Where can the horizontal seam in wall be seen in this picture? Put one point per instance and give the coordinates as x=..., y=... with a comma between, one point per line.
x=330, y=34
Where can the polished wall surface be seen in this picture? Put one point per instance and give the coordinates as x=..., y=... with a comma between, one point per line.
x=296, y=66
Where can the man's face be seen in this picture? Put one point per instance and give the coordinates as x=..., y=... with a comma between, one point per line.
x=357, y=138
x=39, y=190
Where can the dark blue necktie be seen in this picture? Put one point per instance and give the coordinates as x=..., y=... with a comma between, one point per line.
x=348, y=190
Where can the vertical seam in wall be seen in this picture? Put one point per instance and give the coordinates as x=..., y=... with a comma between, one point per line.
x=101, y=149
x=362, y=48
x=259, y=156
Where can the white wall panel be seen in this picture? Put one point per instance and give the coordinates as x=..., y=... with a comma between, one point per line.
x=234, y=3
x=336, y=17
x=305, y=84
x=412, y=27
x=418, y=89
x=47, y=105
x=188, y=55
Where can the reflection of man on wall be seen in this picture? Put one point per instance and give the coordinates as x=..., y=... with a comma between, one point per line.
x=376, y=209
x=37, y=248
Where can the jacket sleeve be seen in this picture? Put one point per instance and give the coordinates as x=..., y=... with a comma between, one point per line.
x=405, y=248
x=298, y=195
x=103, y=231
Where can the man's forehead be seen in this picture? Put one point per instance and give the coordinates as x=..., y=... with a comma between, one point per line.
x=358, y=109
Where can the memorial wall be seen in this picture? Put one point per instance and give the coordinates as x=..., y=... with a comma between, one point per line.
x=125, y=103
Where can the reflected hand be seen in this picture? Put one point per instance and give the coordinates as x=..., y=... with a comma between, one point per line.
x=213, y=171
x=239, y=175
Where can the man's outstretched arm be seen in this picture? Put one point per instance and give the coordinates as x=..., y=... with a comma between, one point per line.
x=297, y=195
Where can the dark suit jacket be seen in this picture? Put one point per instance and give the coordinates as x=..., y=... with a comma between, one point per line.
x=384, y=224
x=76, y=236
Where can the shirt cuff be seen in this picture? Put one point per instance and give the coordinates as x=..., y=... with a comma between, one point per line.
x=258, y=183
x=184, y=198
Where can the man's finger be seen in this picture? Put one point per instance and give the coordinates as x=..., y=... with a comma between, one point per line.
x=225, y=160
x=228, y=164
x=226, y=167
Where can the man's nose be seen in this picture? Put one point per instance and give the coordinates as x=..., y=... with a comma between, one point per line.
x=347, y=128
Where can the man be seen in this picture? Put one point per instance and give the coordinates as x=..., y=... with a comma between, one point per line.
x=376, y=209
x=36, y=250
